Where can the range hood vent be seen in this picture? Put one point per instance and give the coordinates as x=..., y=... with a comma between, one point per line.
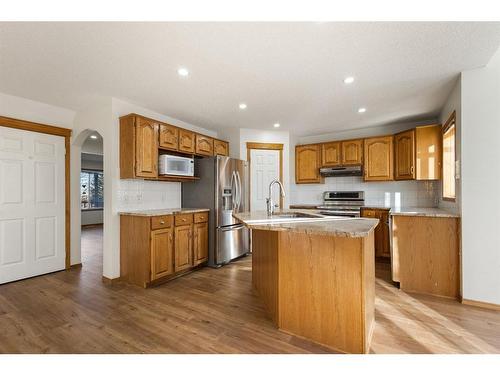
x=356, y=170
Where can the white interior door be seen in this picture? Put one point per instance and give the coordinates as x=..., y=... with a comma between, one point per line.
x=264, y=167
x=32, y=204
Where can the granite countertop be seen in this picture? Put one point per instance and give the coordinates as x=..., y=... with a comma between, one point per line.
x=163, y=211
x=318, y=225
x=423, y=211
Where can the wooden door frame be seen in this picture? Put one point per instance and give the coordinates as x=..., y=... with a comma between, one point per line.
x=264, y=146
x=61, y=132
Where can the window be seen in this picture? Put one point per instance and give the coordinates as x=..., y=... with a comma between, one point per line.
x=449, y=159
x=91, y=190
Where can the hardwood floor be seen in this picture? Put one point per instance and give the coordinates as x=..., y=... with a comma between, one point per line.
x=210, y=311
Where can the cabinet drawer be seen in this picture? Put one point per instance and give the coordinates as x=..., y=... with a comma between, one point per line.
x=183, y=219
x=201, y=217
x=160, y=222
x=369, y=213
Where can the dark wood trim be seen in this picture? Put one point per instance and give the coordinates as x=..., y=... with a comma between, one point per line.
x=108, y=281
x=447, y=125
x=76, y=266
x=265, y=146
x=61, y=132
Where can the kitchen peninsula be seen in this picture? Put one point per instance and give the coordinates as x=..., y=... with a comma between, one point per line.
x=315, y=275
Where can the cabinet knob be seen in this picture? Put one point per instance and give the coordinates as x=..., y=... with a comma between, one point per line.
x=162, y=222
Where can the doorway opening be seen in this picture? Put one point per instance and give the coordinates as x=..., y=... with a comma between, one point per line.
x=92, y=202
x=266, y=165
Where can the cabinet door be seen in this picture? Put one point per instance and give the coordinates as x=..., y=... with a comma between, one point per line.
x=183, y=247
x=146, y=148
x=307, y=161
x=428, y=145
x=352, y=152
x=200, y=243
x=378, y=156
x=383, y=248
x=162, y=261
x=221, y=148
x=330, y=154
x=404, y=149
x=204, y=145
x=186, y=141
x=169, y=137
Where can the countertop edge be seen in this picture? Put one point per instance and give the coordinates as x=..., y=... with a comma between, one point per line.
x=162, y=212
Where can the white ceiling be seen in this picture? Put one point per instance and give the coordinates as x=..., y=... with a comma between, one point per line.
x=290, y=73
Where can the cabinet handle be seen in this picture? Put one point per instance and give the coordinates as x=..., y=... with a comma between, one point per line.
x=411, y=170
x=162, y=222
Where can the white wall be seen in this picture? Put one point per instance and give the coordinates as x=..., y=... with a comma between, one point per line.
x=29, y=110
x=453, y=103
x=481, y=182
x=238, y=139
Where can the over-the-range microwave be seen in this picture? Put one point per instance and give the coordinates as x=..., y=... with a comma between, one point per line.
x=176, y=165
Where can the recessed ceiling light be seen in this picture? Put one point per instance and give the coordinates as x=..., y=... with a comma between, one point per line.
x=277, y=125
x=243, y=106
x=93, y=136
x=362, y=110
x=183, y=72
x=348, y=80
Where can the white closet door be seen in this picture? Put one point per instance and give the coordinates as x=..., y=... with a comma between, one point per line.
x=264, y=167
x=32, y=204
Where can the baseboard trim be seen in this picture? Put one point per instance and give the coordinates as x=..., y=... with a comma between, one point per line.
x=75, y=266
x=107, y=280
x=485, y=305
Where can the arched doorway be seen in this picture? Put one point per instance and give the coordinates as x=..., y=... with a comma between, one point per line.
x=89, y=200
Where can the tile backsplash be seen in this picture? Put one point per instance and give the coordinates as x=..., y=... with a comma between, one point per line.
x=387, y=193
x=141, y=195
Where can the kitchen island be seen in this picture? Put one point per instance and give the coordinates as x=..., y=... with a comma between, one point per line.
x=316, y=275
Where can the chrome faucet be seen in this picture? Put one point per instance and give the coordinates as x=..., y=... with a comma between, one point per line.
x=269, y=201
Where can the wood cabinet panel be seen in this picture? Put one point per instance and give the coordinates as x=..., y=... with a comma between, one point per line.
x=186, y=141
x=183, y=247
x=169, y=136
x=307, y=162
x=428, y=152
x=183, y=219
x=146, y=148
x=404, y=151
x=382, y=244
x=200, y=243
x=331, y=154
x=221, y=147
x=201, y=217
x=162, y=252
x=160, y=222
x=378, y=154
x=352, y=152
x=204, y=145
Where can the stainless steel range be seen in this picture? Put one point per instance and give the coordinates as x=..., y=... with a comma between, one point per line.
x=342, y=203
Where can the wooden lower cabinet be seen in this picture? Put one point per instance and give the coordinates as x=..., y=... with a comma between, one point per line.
x=183, y=247
x=200, y=243
x=158, y=248
x=382, y=242
x=162, y=253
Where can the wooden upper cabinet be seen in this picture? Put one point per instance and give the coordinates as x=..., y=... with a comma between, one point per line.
x=307, y=162
x=404, y=151
x=221, y=147
x=200, y=243
x=352, y=152
x=378, y=154
x=169, y=136
x=162, y=253
x=204, y=145
x=186, y=141
x=330, y=154
x=146, y=148
x=428, y=152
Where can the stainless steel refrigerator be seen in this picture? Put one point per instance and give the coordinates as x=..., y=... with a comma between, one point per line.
x=223, y=187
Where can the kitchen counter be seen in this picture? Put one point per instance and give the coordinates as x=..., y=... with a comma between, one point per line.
x=319, y=225
x=163, y=211
x=316, y=275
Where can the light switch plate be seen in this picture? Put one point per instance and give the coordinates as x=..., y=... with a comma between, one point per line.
x=457, y=169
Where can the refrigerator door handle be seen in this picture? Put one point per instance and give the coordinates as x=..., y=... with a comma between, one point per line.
x=239, y=189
